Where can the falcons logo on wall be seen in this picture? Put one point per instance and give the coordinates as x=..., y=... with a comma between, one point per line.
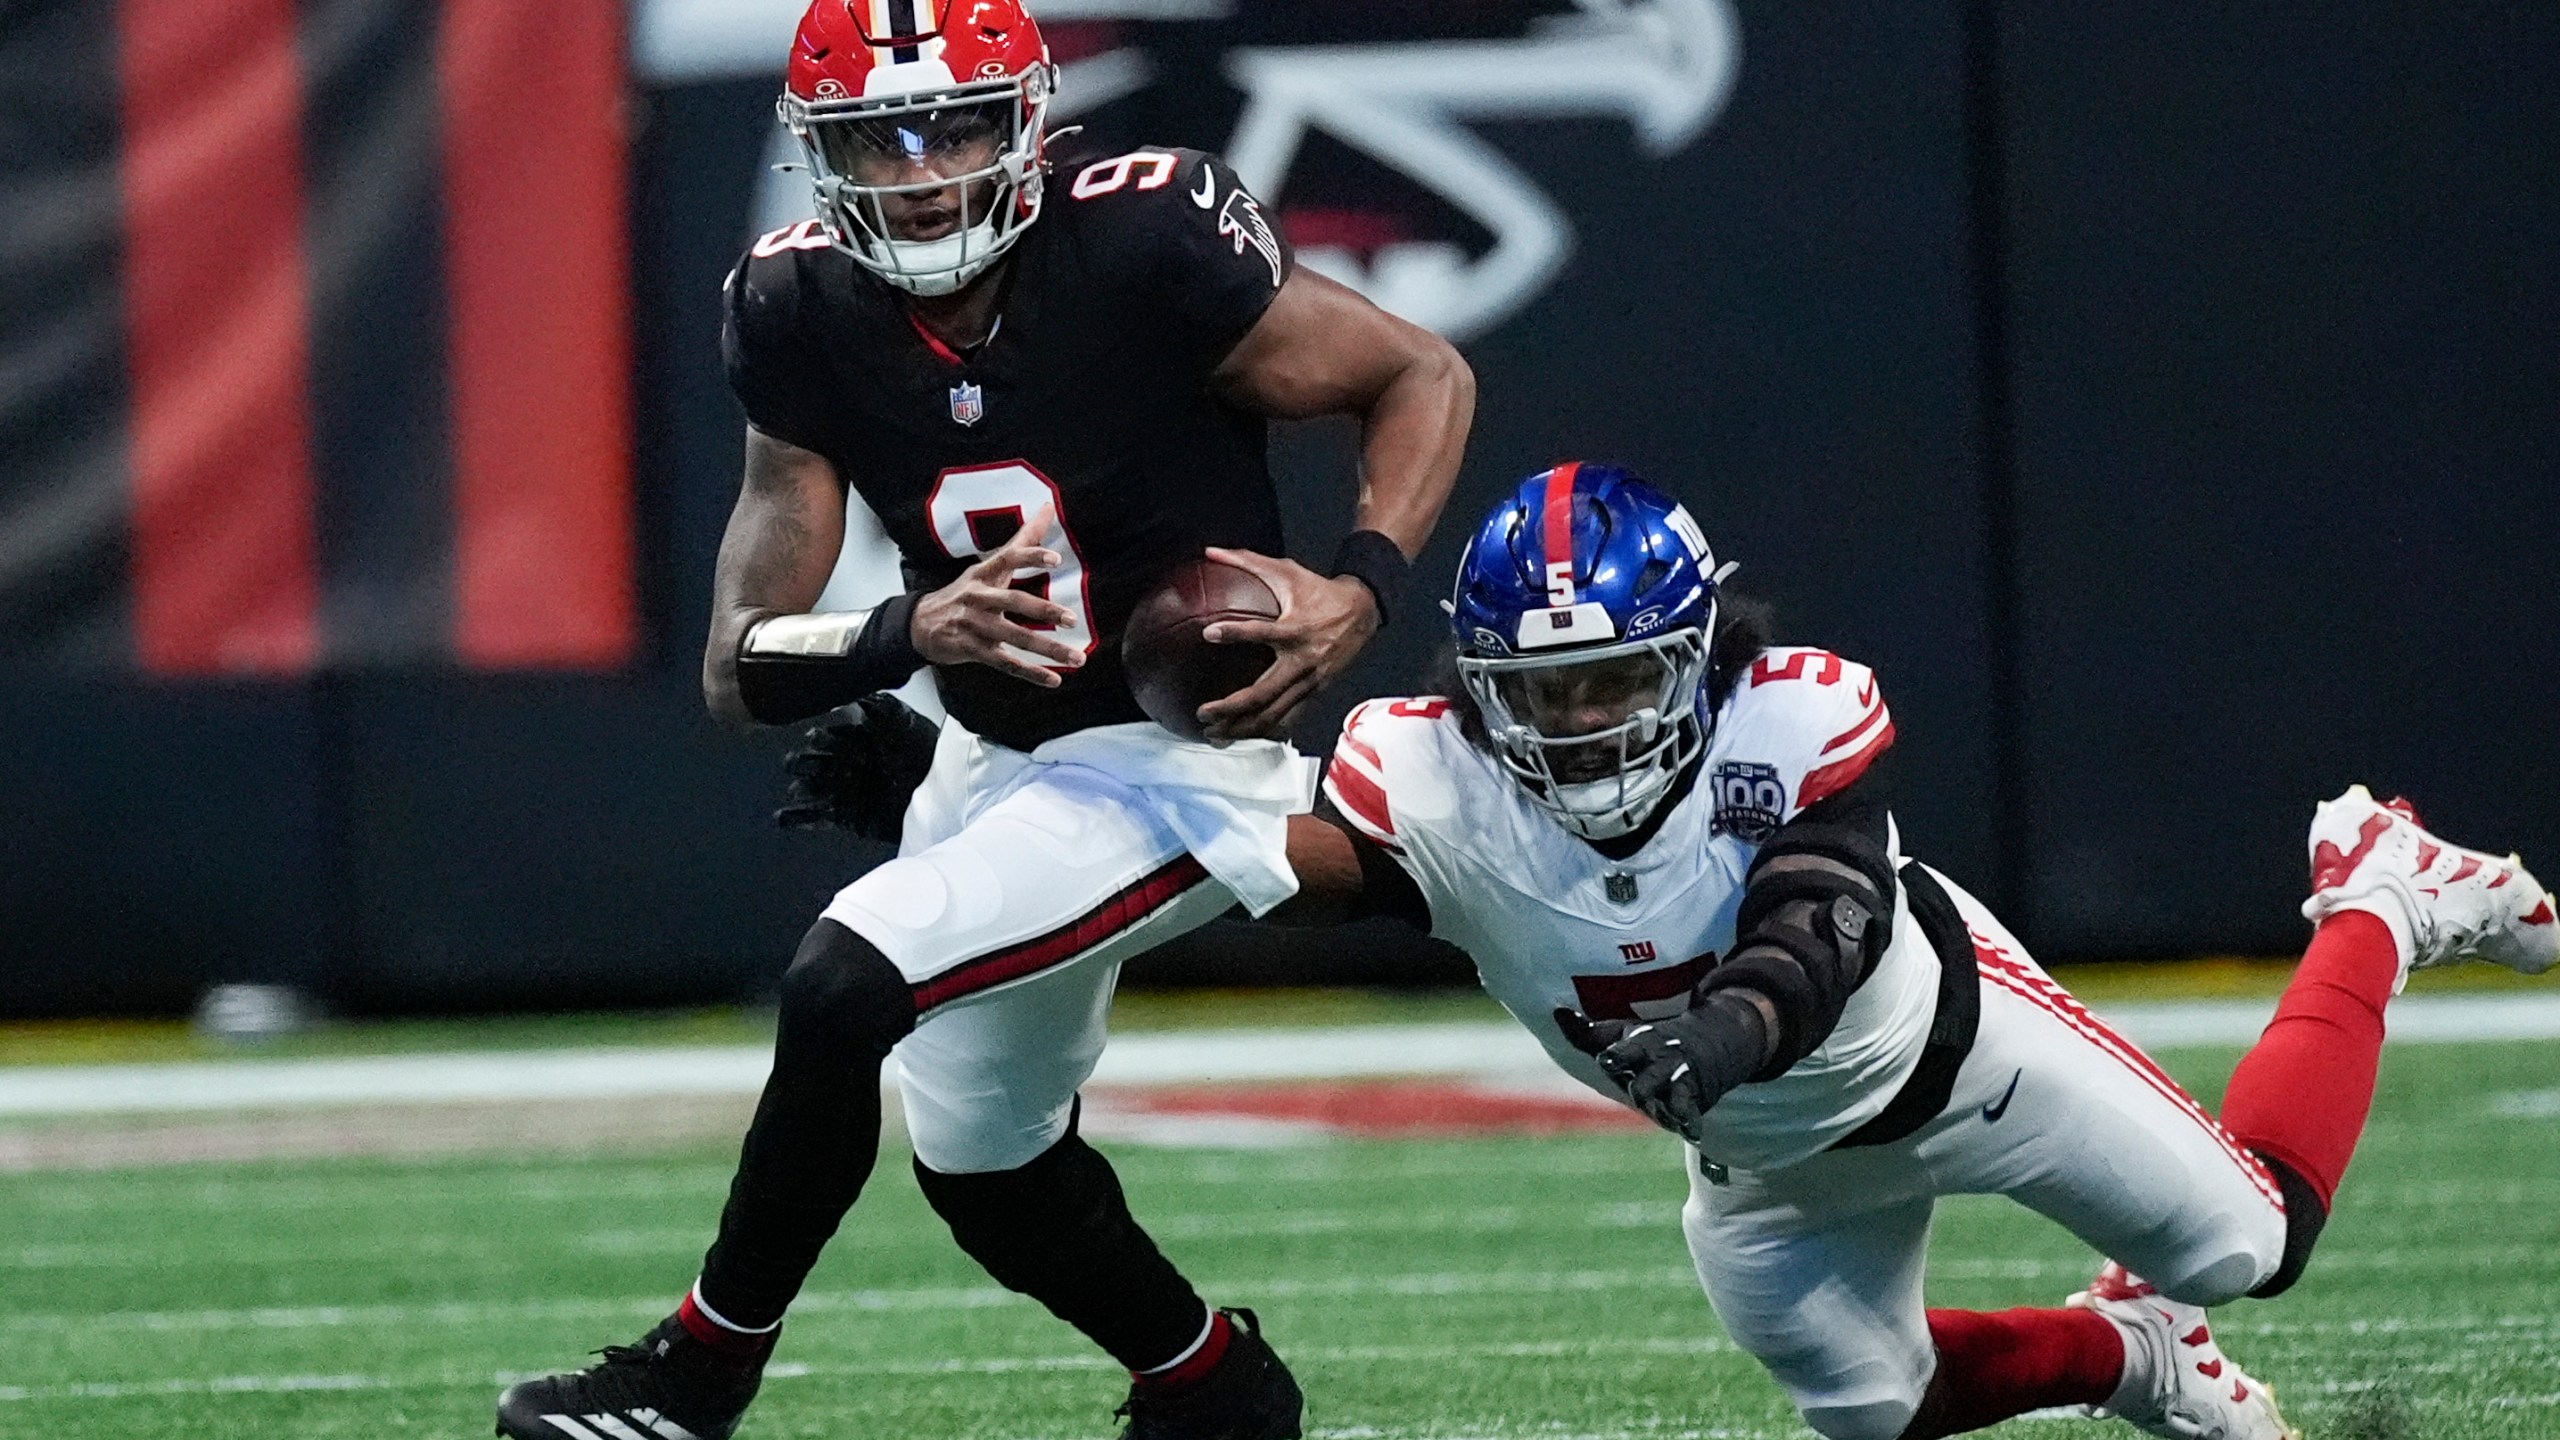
x=1356, y=129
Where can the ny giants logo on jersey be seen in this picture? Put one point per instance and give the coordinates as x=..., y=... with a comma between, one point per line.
x=1639, y=952
x=1750, y=799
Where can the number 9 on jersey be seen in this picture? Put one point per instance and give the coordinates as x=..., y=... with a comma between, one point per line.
x=975, y=509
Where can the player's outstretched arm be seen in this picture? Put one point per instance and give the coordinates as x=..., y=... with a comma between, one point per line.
x=1343, y=877
x=1322, y=349
x=1817, y=914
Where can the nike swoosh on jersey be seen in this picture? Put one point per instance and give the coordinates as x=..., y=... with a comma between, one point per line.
x=1992, y=1112
x=1207, y=194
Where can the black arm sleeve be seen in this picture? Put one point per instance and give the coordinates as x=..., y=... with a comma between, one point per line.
x=1817, y=913
x=1386, y=892
x=780, y=688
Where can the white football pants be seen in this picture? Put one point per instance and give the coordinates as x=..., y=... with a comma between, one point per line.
x=1816, y=1268
x=1020, y=888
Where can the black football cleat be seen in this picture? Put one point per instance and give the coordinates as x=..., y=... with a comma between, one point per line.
x=670, y=1386
x=1249, y=1396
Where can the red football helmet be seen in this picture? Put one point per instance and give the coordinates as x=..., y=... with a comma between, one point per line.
x=922, y=121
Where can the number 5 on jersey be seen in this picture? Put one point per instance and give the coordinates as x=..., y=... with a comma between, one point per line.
x=977, y=508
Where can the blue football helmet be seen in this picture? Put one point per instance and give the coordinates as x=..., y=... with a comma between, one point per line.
x=1585, y=612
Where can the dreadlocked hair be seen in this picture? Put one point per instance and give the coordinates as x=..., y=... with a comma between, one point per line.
x=1745, y=629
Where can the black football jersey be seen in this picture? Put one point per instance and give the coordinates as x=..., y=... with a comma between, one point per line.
x=1091, y=400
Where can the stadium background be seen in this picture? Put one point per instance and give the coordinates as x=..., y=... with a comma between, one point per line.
x=2163, y=401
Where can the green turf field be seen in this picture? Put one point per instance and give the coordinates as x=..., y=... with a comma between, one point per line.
x=1477, y=1288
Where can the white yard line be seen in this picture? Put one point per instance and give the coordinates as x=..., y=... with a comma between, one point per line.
x=815, y=1302
x=641, y=1308
x=999, y=1365
x=1494, y=1052
x=1670, y=1346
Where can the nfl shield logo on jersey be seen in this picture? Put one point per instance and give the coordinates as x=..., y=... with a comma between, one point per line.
x=968, y=403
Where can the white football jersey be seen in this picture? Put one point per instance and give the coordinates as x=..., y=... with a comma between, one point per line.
x=1552, y=923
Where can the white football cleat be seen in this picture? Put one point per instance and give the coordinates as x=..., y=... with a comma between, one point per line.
x=2457, y=904
x=2177, y=1382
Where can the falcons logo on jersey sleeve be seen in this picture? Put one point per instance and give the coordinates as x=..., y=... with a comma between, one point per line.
x=1240, y=221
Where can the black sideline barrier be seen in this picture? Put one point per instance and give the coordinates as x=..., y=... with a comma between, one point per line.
x=2163, y=404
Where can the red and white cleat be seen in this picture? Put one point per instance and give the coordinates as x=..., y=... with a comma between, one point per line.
x=2177, y=1382
x=2445, y=903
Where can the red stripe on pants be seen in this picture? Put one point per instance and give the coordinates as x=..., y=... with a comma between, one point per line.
x=218, y=307
x=536, y=271
x=1135, y=902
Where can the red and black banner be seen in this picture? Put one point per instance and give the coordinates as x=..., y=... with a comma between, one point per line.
x=314, y=335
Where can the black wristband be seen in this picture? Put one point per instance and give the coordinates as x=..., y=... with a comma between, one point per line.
x=777, y=689
x=1377, y=562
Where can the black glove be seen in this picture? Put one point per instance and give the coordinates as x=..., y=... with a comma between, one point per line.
x=857, y=766
x=1675, y=1070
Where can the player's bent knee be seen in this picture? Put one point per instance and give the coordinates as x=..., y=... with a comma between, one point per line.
x=1007, y=1220
x=1869, y=1420
x=840, y=985
x=2218, y=1280
x=2305, y=1215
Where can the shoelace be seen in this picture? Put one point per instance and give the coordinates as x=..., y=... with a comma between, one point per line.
x=625, y=1355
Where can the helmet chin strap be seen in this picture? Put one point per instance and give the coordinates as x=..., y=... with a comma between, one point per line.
x=934, y=267
x=1633, y=804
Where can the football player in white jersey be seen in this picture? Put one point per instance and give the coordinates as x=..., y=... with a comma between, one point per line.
x=1667, y=847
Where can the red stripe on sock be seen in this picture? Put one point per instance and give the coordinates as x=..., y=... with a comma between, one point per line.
x=738, y=1344
x=1995, y=1365
x=2302, y=1093
x=1222, y=1333
x=218, y=305
x=536, y=267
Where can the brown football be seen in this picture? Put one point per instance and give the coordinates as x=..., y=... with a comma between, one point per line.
x=1172, y=670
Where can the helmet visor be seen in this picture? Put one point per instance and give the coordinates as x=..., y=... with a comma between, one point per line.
x=926, y=148
x=1587, y=710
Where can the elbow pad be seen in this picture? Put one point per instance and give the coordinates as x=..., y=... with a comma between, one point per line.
x=791, y=667
x=1816, y=916
x=1822, y=863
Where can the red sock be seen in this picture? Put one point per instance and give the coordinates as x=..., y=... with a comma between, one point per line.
x=1995, y=1365
x=1194, y=1367
x=2301, y=1094
x=741, y=1344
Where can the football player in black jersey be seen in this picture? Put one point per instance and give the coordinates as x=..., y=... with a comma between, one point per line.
x=1050, y=376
